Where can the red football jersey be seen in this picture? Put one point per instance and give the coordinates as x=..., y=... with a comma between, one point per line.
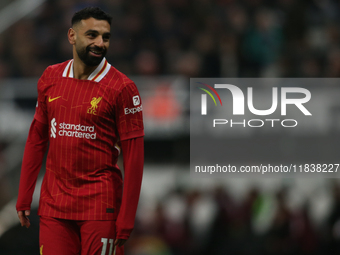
x=87, y=120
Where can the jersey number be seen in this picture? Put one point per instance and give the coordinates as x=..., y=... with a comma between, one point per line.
x=104, y=241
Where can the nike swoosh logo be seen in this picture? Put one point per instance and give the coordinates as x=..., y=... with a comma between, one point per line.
x=52, y=99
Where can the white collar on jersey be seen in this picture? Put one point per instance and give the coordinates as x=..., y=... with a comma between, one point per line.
x=97, y=75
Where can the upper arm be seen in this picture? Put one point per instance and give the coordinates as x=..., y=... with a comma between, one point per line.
x=129, y=113
x=41, y=108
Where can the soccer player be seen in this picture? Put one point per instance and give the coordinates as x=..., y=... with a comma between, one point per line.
x=88, y=112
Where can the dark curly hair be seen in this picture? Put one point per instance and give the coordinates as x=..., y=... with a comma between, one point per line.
x=91, y=12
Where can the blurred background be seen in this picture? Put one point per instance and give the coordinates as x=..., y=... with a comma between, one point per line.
x=160, y=44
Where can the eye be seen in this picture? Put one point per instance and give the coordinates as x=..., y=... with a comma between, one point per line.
x=91, y=34
x=106, y=38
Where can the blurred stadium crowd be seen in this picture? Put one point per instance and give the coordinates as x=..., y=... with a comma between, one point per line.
x=200, y=38
x=196, y=223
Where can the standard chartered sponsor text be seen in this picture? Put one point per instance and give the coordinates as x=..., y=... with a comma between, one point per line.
x=268, y=168
x=78, y=131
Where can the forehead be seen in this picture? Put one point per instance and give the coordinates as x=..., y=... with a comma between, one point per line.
x=94, y=24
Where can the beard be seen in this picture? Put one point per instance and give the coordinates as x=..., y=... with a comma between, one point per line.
x=89, y=60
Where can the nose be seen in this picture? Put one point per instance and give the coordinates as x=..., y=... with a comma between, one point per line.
x=99, y=42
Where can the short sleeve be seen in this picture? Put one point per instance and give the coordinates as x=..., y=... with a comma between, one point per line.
x=129, y=113
x=40, y=109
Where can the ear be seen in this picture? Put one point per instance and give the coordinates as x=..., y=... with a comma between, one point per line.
x=71, y=35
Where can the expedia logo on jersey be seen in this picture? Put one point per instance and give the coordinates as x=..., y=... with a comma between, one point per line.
x=136, y=102
x=72, y=130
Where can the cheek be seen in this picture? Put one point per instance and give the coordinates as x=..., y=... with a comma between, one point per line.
x=80, y=45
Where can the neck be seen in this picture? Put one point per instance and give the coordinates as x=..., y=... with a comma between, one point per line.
x=80, y=70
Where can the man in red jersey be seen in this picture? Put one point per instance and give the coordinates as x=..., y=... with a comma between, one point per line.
x=88, y=111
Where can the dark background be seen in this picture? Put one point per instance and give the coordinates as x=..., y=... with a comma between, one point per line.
x=160, y=44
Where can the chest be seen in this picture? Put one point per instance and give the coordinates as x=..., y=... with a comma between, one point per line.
x=79, y=101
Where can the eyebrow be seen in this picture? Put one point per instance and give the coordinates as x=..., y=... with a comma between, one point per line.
x=96, y=32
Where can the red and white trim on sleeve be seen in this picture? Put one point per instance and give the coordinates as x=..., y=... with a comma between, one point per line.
x=97, y=75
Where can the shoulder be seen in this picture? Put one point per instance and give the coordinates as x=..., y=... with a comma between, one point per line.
x=124, y=89
x=54, y=71
x=118, y=81
x=51, y=72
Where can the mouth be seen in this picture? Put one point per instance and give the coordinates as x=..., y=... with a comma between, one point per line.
x=96, y=53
